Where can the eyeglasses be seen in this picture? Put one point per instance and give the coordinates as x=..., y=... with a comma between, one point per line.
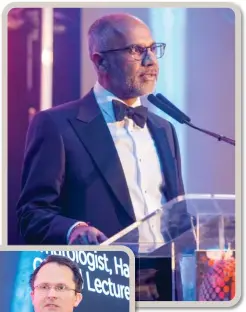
x=60, y=288
x=139, y=52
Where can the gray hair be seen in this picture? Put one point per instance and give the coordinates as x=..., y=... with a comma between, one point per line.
x=104, y=29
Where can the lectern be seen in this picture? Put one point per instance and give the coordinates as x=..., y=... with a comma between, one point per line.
x=195, y=259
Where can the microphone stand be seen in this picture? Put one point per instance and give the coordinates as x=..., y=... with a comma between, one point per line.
x=213, y=134
x=167, y=107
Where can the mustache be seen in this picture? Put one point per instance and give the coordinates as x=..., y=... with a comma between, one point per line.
x=153, y=72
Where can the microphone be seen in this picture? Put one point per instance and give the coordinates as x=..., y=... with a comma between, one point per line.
x=167, y=107
x=171, y=106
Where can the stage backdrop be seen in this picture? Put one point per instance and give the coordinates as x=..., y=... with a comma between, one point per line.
x=105, y=274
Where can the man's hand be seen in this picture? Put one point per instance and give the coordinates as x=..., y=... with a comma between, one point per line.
x=86, y=235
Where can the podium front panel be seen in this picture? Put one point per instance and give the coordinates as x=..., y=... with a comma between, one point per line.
x=189, y=225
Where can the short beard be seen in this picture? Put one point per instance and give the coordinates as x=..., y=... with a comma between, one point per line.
x=135, y=90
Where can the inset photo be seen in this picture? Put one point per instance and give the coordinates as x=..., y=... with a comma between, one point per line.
x=67, y=280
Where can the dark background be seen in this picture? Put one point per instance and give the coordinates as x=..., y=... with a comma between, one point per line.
x=24, y=27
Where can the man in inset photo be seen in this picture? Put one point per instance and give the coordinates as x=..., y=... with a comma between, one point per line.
x=56, y=285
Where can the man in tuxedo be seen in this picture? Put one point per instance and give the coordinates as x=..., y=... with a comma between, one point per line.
x=94, y=166
x=56, y=285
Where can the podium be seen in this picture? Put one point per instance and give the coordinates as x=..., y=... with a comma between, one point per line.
x=193, y=259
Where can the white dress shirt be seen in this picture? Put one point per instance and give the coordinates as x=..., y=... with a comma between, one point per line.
x=140, y=162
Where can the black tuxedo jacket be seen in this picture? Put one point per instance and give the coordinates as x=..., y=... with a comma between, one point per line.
x=72, y=172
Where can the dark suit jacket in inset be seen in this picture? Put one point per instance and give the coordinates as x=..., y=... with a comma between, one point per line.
x=72, y=172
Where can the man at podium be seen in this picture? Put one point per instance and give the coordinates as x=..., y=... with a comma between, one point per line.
x=94, y=166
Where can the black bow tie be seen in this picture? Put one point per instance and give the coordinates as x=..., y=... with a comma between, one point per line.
x=137, y=114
